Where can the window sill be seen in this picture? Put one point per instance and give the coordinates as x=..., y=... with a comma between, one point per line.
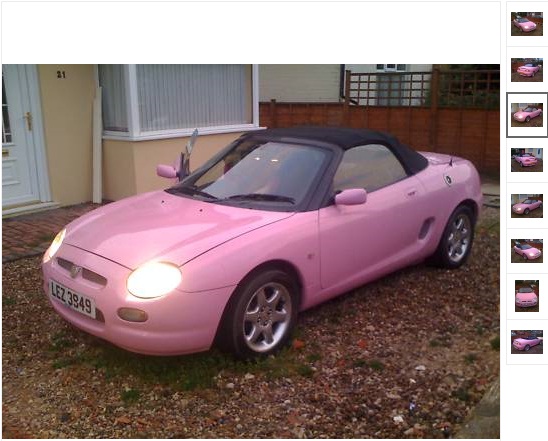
x=181, y=133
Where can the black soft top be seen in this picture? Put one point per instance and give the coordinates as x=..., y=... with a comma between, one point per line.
x=343, y=138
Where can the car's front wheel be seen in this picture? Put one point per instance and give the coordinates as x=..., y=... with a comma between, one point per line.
x=527, y=347
x=524, y=256
x=261, y=315
x=527, y=119
x=456, y=241
x=526, y=211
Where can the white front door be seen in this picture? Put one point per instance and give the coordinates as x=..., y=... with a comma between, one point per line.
x=23, y=170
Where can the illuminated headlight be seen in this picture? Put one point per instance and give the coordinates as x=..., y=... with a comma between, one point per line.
x=55, y=245
x=153, y=279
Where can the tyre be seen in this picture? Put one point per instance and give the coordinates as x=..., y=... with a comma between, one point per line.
x=527, y=347
x=521, y=164
x=527, y=119
x=261, y=315
x=456, y=240
x=526, y=211
x=524, y=256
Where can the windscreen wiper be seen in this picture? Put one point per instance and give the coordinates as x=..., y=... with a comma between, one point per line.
x=192, y=190
x=261, y=197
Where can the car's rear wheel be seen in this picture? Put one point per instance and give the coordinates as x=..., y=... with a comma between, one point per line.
x=261, y=315
x=456, y=240
x=521, y=164
x=527, y=347
x=527, y=119
x=526, y=211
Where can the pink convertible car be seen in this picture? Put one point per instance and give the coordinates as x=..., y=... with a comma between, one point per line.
x=527, y=251
x=526, y=297
x=528, y=70
x=526, y=206
x=526, y=160
x=524, y=25
x=524, y=344
x=279, y=221
x=525, y=115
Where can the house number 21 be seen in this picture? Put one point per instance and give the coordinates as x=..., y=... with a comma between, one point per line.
x=61, y=74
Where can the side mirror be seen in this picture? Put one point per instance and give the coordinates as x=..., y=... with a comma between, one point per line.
x=166, y=171
x=352, y=196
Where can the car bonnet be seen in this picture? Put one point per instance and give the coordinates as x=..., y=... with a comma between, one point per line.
x=162, y=226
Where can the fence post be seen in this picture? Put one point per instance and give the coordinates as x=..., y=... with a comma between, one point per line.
x=434, y=93
x=346, y=109
x=273, y=116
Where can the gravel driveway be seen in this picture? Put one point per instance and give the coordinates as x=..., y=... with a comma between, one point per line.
x=423, y=334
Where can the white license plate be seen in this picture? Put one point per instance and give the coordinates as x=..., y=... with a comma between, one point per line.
x=79, y=302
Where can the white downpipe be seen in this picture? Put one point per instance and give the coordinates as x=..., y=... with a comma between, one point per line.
x=97, y=147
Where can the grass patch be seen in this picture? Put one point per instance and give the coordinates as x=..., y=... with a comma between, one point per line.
x=130, y=396
x=462, y=394
x=376, y=365
x=8, y=301
x=470, y=358
x=495, y=343
x=305, y=370
x=59, y=341
x=312, y=358
x=190, y=372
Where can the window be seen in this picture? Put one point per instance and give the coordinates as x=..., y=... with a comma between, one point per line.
x=371, y=166
x=153, y=101
x=392, y=67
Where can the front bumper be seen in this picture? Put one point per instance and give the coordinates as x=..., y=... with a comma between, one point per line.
x=526, y=304
x=178, y=323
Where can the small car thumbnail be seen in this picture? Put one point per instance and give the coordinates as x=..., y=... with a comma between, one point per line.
x=526, y=297
x=527, y=251
x=527, y=114
x=526, y=343
x=526, y=160
x=526, y=206
x=524, y=24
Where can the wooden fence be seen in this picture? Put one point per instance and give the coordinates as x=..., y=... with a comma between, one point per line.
x=473, y=133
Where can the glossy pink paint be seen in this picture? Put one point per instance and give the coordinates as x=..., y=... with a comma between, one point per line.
x=332, y=250
x=527, y=114
x=525, y=26
x=526, y=160
x=530, y=253
x=526, y=206
x=528, y=70
x=524, y=343
x=526, y=299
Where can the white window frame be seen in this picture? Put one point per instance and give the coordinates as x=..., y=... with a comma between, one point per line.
x=134, y=132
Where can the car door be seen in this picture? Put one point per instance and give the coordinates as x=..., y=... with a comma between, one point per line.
x=359, y=242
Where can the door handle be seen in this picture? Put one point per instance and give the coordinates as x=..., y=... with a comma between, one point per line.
x=411, y=192
x=28, y=117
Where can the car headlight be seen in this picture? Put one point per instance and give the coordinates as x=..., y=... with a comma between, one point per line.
x=153, y=279
x=55, y=245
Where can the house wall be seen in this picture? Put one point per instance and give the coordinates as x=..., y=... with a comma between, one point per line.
x=372, y=68
x=299, y=82
x=67, y=117
x=311, y=83
x=129, y=167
